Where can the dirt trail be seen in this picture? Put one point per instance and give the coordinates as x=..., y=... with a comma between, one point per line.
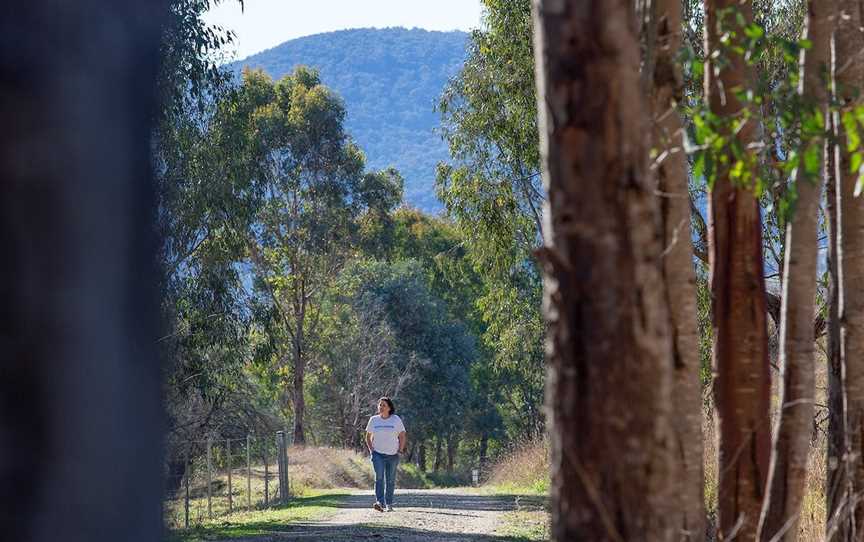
x=440, y=515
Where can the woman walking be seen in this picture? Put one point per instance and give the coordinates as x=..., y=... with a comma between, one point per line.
x=385, y=438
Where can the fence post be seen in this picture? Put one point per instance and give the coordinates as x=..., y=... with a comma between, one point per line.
x=283, y=466
x=230, y=496
x=186, y=483
x=248, y=473
x=209, y=479
x=266, y=478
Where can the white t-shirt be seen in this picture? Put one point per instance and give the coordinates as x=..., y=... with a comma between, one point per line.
x=385, y=433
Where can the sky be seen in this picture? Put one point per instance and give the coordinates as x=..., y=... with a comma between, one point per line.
x=266, y=23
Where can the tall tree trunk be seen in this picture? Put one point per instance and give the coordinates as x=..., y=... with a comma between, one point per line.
x=484, y=449
x=836, y=517
x=608, y=344
x=81, y=425
x=742, y=383
x=299, y=376
x=421, y=457
x=452, y=447
x=678, y=271
x=437, y=464
x=849, y=77
x=299, y=401
x=787, y=479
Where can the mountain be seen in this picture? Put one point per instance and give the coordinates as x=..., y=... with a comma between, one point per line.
x=390, y=80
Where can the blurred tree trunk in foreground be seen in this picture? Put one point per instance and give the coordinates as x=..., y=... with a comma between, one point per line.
x=80, y=415
x=608, y=345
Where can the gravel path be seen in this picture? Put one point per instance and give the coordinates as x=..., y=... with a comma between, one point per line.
x=440, y=515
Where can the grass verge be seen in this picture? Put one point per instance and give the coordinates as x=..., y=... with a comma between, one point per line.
x=525, y=525
x=530, y=521
x=314, y=505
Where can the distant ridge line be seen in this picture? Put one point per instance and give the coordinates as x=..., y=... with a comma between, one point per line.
x=390, y=80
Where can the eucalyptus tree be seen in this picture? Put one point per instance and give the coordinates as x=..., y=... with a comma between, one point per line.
x=492, y=190
x=671, y=170
x=787, y=478
x=425, y=353
x=302, y=185
x=848, y=77
x=737, y=281
x=203, y=303
x=609, y=380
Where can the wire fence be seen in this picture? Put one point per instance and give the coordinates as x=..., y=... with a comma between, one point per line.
x=229, y=475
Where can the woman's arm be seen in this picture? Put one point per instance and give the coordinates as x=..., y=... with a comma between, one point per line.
x=369, y=441
x=403, y=439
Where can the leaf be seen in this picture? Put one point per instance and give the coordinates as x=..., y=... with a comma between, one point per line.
x=709, y=170
x=855, y=163
x=698, y=70
x=813, y=160
x=859, y=114
x=737, y=171
x=813, y=123
x=699, y=164
x=754, y=31
x=853, y=140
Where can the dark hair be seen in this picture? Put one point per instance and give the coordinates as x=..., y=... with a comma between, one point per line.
x=390, y=404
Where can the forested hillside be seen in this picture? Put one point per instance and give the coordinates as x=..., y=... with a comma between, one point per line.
x=390, y=80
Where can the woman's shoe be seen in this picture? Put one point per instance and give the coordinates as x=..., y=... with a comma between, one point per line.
x=377, y=506
x=389, y=507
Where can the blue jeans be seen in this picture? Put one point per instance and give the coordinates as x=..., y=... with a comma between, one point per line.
x=385, y=476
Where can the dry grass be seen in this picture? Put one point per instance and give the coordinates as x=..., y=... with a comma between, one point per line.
x=812, y=523
x=524, y=469
x=328, y=468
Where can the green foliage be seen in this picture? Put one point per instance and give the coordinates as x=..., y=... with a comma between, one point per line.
x=435, y=350
x=299, y=190
x=492, y=191
x=190, y=55
x=853, y=121
x=716, y=150
x=389, y=80
x=488, y=115
x=204, y=341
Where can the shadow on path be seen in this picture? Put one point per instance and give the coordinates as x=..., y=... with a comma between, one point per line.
x=381, y=533
x=443, y=502
x=420, y=516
